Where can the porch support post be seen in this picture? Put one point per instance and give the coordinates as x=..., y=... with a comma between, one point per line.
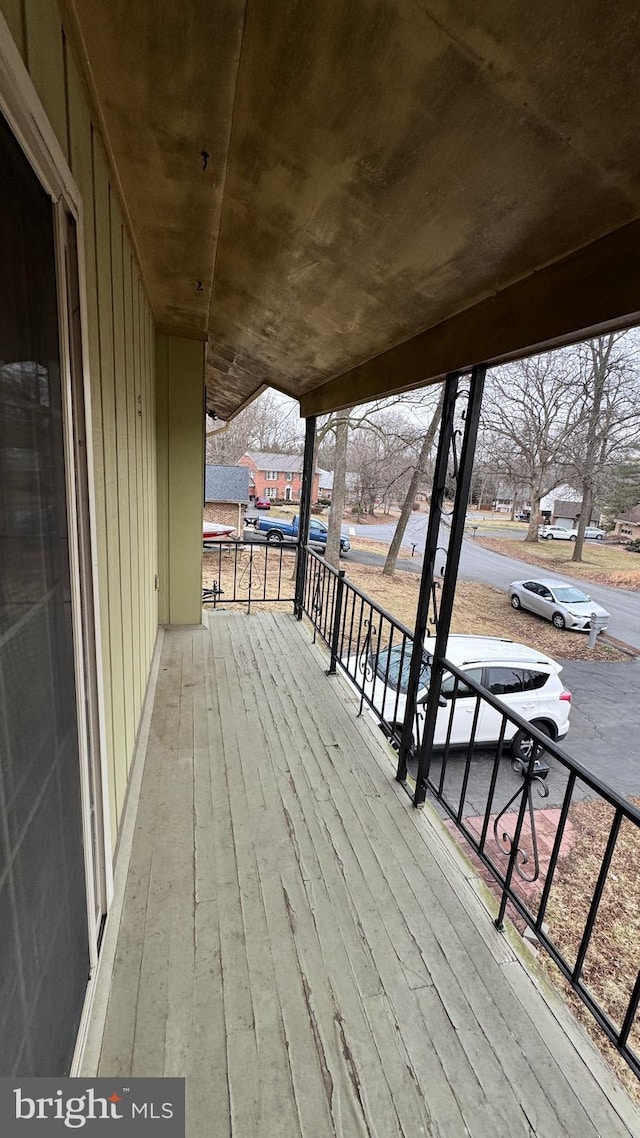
x=180, y=456
x=428, y=568
x=304, y=513
x=463, y=486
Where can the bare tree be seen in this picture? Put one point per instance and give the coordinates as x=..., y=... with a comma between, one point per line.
x=338, y=494
x=338, y=425
x=531, y=409
x=609, y=415
x=271, y=423
x=391, y=560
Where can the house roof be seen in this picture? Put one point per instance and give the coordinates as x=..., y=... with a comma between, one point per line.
x=566, y=494
x=566, y=509
x=280, y=462
x=346, y=200
x=226, y=484
x=326, y=480
x=632, y=515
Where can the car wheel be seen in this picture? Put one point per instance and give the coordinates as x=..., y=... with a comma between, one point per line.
x=599, y=537
x=573, y=537
x=558, y=620
x=274, y=536
x=515, y=602
x=522, y=744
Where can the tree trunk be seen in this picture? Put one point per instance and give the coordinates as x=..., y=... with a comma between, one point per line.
x=532, y=532
x=585, y=518
x=389, y=567
x=332, y=552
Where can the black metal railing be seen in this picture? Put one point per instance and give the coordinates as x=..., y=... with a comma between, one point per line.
x=489, y=792
x=248, y=573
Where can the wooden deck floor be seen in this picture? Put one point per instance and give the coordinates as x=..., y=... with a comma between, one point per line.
x=303, y=946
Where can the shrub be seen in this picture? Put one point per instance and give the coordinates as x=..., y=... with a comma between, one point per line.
x=633, y=546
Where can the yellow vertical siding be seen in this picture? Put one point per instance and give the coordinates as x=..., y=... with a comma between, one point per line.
x=121, y=372
x=180, y=475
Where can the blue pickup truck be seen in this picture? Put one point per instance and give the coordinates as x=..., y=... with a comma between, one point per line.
x=277, y=529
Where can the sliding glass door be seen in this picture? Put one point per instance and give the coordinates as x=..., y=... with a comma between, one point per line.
x=44, y=945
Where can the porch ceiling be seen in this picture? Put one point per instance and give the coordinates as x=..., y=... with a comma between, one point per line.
x=377, y=173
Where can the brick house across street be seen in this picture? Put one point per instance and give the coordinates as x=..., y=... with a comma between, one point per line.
x=226, y=495
x=276, y=476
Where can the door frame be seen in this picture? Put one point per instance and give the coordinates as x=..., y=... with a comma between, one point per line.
x=21, y=107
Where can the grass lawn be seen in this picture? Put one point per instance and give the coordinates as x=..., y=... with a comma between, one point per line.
x=603, y=564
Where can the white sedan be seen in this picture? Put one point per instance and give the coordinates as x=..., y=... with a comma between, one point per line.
x=562, y=604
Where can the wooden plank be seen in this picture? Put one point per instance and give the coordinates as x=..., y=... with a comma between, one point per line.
x=118, y=1042
x=169, y=915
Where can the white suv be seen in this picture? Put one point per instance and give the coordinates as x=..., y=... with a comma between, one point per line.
x=522, y=678
x=557, y=532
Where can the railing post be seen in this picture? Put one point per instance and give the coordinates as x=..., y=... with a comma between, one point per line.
x=428, y=568
x=463, y=486
x=337, y=618
x=304, y=514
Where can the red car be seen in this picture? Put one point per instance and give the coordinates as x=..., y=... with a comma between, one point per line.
x=262, y=503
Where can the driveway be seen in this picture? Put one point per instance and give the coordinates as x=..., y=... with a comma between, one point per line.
x=605, y=727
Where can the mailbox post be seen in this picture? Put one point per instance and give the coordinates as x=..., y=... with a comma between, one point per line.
x=597, y=625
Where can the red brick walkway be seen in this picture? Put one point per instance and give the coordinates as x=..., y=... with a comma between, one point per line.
x=546, y=829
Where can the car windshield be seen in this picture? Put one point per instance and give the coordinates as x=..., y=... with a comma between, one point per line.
x=568, y=595
x=399, y=664
x=319, y=525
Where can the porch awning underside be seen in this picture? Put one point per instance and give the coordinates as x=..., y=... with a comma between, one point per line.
x=310, y=186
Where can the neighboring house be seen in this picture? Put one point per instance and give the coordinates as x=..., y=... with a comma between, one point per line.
x=226, y=495
x=563, y=494
x=276, y=476
x=566, y=514
x=628, y=525
x=325, y=485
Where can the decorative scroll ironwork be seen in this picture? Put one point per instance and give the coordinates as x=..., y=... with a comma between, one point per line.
x=504, y=840
x=365, y=658
x=441, y=554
